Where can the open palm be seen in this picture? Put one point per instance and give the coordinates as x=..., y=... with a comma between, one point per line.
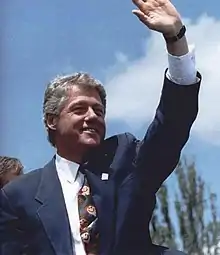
x=158, y=15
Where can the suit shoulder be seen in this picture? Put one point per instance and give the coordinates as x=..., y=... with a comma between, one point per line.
x=122, y=138
x=124, y=144
x=23, y=184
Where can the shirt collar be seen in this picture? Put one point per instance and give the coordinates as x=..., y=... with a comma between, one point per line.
x=66, y=168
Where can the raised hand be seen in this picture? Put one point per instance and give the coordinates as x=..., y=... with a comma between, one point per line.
x=158, y=15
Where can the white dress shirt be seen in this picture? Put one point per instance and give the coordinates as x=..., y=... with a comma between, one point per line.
x=182, y=71
x=71, y=182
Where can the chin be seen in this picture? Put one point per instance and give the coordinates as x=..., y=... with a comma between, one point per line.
x=91, y=142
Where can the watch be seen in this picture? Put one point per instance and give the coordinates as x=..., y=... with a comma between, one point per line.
x=176, y=37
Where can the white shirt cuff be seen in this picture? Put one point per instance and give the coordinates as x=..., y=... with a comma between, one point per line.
x=182, y=69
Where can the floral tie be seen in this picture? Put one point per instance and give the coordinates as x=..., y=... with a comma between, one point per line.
x=88, y=220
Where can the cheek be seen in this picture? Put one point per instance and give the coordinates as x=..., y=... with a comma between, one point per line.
x=103, y=126
x=63, y=126
x=69, y=124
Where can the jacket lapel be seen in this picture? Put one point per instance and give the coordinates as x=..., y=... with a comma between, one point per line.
x=108, y=159
x=103, y=193
x=52, y=211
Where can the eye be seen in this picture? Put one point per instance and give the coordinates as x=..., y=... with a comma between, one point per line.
x=99, y=112
x=79, y=110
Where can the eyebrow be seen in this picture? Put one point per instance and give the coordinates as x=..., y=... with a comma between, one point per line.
x=83, y=102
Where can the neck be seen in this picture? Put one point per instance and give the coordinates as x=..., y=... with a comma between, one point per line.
x=70, y=156
x=72, y=153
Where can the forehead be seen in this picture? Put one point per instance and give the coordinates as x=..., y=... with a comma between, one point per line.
x=80, y=94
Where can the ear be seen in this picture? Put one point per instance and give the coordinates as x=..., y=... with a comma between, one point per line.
x=51, y=121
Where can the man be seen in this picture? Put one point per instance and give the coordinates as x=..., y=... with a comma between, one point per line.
x=97, y=196
x=10, y=168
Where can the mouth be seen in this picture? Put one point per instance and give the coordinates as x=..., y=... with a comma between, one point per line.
x=90, y=130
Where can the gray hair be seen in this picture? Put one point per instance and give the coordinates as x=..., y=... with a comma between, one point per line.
x=56, y=95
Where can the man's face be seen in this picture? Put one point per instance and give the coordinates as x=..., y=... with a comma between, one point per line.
x=81, y=122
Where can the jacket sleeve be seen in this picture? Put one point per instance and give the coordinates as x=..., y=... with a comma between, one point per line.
x=10, y=231
x=159, y=152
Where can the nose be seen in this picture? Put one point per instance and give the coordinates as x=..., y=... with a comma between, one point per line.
x=90, y=114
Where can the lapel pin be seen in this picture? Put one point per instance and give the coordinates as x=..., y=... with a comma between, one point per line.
x=104, y=176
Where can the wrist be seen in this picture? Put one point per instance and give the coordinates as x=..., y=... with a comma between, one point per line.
x=178, y=48
x=175, y=37
x=174, y=30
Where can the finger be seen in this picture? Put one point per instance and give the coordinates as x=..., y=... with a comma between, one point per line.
x=139, y=3
x=141, y=16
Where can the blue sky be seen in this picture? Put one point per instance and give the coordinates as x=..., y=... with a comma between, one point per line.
x=40, y=39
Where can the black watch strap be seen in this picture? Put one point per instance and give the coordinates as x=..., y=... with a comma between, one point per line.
x=177, y=37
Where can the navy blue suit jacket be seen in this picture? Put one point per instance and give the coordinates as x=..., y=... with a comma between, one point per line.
x=33, y=214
